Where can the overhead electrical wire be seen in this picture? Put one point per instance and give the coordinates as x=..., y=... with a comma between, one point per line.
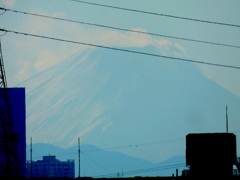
x=135, y=145
x=155, y=169
x=123, y=50
x=158, y=14
x=117, y=147
x=130, y=51
x=90, y=165
x=145, y=170
x=121, y=29
x=96, y=163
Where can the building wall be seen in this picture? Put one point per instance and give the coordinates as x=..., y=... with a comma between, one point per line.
x=236, y=172
x=211, y=153
x=18, y=109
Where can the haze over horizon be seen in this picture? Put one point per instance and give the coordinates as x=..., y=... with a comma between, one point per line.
x=116, y=99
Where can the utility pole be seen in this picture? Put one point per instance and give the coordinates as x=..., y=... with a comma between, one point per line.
x=226, y=120
x=78, y=157
x=9, y=162
x=31, y=175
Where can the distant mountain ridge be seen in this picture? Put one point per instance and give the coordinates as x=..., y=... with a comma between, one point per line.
x=111, y=98
x=95, y=162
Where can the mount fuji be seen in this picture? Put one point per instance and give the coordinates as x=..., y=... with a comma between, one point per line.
x=138, y=105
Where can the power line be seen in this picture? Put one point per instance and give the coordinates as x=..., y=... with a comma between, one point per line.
x=146, y=170
x=155, y=169
x=90, y=166
x=123, y=50
x=158, y=14
x=121, y=29
x=116, y=147
x=96, y=163
x=135, y=145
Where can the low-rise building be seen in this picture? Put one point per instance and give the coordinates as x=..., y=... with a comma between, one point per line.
x=51, y=167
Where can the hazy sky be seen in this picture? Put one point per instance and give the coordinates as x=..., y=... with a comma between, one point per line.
x=25, y=56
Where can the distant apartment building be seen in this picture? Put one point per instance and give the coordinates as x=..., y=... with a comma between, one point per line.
x=51, y=167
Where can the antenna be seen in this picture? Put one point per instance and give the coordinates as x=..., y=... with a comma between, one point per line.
x=78, y=157
x=226, y=120
x=31, y=157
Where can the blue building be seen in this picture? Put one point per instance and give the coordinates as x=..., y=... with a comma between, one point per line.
x=50, y=167
x=18, y=109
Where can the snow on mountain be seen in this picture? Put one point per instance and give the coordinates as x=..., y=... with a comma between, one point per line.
x=111, y=99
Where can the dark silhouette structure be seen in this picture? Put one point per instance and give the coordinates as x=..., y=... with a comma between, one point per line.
x=18, y=109
x=211, y=154
x=9, y=162
x=50, y=167
x=18, y=116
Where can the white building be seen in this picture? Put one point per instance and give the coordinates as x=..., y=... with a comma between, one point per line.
x=51, y=167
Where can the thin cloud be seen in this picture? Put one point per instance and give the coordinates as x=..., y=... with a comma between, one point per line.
x=45, y=60
x=48, y=53
x=23, y=72
x=9, y=3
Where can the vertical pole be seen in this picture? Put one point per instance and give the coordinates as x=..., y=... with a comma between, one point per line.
x=78, y=157
x=226, y=120
x=31, y=157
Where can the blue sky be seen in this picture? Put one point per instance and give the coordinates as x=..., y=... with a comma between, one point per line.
x=26, y=56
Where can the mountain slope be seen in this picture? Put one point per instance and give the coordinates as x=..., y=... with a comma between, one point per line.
x=113, y=99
